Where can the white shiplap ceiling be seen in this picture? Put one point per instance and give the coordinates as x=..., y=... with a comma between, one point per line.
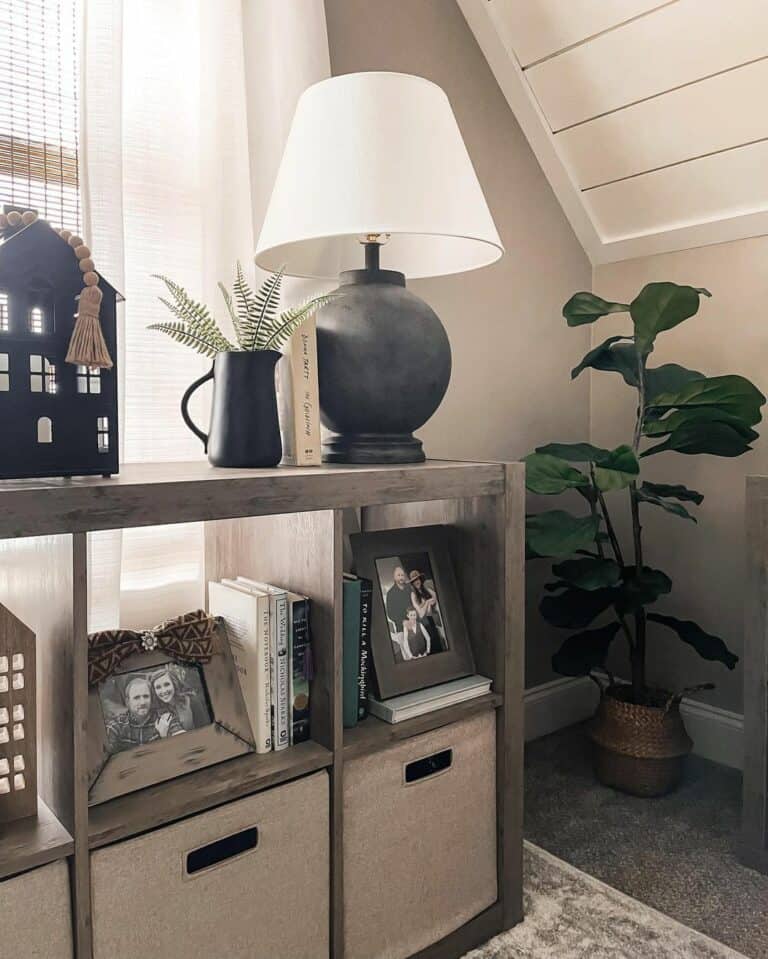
x=649, y=118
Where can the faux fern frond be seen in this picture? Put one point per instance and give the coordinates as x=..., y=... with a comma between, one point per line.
x=181, y=333
x=291, y=320
x=203, y=326
x=267, y=304
x=247, y=309
x=232, y=313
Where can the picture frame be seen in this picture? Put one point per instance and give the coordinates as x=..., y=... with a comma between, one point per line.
x=212, y=717
x=418, y=631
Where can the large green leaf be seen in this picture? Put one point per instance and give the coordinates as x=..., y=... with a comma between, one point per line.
x=661, y=306
x=557, y=533
x=583, y=652
x=611, y=358
x=730, y=394
x=645, y=496
x=588, y=573
x=675, y=491
x=719, y=439
x=641, y=589
x=575, y=608
x=668, y=378
x=706, y=645
x=696, y=414
x=617, y=470
x=586, y=308
x=575, y=452
x=549, y=475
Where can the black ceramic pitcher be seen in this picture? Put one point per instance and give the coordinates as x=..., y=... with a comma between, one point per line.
x=245, y=430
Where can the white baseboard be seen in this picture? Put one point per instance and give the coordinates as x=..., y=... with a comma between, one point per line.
x=558, y=704
x=717, y=734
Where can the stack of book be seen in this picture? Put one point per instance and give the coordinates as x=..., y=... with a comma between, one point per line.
x=357, y=595
x=409, y=705
x=268, y=630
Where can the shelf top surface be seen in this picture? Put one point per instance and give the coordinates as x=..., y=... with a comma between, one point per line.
x=148, y=494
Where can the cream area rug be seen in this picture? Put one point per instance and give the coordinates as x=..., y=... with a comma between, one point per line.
x=570, y=915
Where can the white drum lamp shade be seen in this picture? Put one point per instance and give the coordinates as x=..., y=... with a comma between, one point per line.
x=376, y=153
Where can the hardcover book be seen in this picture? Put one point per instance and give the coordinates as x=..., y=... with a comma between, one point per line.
x=300, y=657
x=246, y=615
x=278, y=658
x=299, y=399
x=409, y=705
x=366, y=596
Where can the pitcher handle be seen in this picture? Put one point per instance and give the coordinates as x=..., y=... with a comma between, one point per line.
x=203, y=437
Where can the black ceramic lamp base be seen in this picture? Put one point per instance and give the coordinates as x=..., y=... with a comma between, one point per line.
x=384, y=364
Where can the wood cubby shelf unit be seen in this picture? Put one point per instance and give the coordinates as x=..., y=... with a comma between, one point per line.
x=285, y=526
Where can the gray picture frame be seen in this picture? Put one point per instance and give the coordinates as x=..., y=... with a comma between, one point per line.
x=226, y=737
x=395, y=678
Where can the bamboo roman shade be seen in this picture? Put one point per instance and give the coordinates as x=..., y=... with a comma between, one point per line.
x=39, y=166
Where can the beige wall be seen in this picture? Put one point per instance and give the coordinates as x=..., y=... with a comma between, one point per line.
x=510, y=389
x=706, y=562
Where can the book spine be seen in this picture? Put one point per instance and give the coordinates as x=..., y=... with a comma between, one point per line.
x=301, y=674
x=263, y=731
x=281, y=682
x=307, y=448
x=285, y=411
x=366, y=597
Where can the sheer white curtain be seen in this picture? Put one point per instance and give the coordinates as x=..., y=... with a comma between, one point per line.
x=186, y=105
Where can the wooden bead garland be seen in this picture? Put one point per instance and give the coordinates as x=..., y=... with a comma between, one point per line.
x=87, y=346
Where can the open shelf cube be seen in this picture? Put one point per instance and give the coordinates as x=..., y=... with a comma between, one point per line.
x=284, y=526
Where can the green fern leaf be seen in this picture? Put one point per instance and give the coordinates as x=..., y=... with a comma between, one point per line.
x=232, y=313
x=194, y=314
x=267, y=305
x=291, y=320
x=246, y=308
x=181, y=334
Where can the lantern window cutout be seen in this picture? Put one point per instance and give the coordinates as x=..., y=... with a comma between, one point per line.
x=44, y=430
x=5, y=376
x=88, y=379
x=5, y=316
x=102, y=434
x=5, y=767
x=36, y=320
x=18, y=764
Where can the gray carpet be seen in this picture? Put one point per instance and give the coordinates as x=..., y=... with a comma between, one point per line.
x=569, y=915
x=674, y=853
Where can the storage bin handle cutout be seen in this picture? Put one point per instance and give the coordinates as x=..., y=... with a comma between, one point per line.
x=420, y=769
x=221, y=851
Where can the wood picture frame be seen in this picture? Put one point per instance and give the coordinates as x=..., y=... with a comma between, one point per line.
x=222, y=730
x=422, y=550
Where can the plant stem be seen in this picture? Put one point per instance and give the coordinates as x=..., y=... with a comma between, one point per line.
x=607, y=518
x=637, y=656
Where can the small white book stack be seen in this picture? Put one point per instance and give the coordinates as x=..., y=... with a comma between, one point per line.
x=299, y=399
x=409, y=705
x=268, y=630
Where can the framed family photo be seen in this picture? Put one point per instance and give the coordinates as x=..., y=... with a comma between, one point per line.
x=418, y=633
x=155, y=716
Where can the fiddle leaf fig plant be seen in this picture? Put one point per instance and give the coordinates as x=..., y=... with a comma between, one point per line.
x=595, y=575
x=254, y=315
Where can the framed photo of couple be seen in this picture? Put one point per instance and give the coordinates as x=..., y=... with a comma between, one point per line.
x=155, y=718
x=418, y=635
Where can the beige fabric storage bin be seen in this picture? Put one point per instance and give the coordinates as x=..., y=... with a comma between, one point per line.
x=419, y=856
x=267, y=902
x=36, y=914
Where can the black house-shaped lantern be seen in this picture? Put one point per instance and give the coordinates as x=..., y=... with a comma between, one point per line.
x=56, y=419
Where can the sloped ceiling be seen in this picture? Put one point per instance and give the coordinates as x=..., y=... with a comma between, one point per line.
x=649, y=119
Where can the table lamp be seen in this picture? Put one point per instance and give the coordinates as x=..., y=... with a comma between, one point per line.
x=375, y=170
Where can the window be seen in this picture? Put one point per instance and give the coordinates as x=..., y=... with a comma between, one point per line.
x=88, y=379
x=5, y=376
x=5, y=320
x=42, y=375
x=44, y=430
x=102, y=434
x=39, y=165
x=36, y=320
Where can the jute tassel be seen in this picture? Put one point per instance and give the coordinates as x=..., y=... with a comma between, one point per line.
x=87, y=346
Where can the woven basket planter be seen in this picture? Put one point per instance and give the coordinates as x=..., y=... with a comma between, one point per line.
x=638, y=749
